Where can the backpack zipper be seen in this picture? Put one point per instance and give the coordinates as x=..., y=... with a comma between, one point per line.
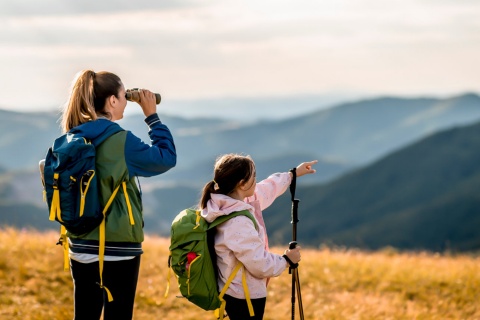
x=84, y=185
x=190, y=267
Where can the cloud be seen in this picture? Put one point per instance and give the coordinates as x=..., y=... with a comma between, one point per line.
x=201, y=49
x=62, y=51
x=231, y=24
x=60, y=7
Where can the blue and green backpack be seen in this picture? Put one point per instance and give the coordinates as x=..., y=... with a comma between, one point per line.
x=70, y=183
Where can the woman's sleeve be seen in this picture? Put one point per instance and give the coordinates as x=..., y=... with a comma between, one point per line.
x=148, y=160
x=241, y=237
x=269, y=189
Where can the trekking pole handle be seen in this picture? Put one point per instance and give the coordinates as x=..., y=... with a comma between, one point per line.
x=292, y=245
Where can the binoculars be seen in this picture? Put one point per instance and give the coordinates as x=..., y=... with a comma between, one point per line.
x=132, y=95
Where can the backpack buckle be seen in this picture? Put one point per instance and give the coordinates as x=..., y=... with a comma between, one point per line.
x=55, y=180
x=61, y=240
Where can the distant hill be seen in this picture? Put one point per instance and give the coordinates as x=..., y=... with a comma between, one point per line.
x=342, y=137
x=354, y=133
x=421, y=196
x=25, y=138
x=21, y=201
x=25, y=215
x=202, y=172
x=424, y=196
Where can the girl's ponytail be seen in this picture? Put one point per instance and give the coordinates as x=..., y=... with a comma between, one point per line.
x=208, y=189
x=80, y=107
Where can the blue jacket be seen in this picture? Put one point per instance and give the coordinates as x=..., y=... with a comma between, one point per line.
x=142, y=159
x=120, y=158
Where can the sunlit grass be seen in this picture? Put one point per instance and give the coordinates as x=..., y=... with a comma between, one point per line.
x=335, y=284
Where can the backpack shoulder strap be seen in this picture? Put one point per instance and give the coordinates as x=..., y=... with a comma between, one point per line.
x=220, y=311
x=222, y=219
x=109, y=131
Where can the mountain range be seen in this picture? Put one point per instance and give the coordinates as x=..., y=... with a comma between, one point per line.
x=392, y=171
x=424, y=196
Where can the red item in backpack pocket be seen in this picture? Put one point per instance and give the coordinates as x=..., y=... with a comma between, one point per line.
x=190, y=257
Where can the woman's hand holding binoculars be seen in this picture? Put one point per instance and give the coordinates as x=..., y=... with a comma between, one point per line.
x=145, y=98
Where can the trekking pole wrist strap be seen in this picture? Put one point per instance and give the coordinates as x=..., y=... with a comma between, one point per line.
x=290, y=262
x=293, y=171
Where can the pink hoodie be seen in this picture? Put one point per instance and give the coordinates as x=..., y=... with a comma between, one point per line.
x=238, y=240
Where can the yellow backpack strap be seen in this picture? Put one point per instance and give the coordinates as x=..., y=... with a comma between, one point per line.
x=129, y=206
x=247, y=293
x=197, y=220
x=55, y=206
x=221, y=311
x=168, y=274
x=64, y=242
x=101, y=240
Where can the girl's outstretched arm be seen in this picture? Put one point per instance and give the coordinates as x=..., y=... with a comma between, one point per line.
x=276, y=184
x=305, y=168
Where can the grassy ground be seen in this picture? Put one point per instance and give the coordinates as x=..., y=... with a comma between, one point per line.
x=336, y=284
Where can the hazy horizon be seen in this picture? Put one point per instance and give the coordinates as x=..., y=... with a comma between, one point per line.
x=253, y=109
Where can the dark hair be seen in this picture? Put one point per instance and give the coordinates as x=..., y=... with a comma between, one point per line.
x=229, y=171
x=88, y=95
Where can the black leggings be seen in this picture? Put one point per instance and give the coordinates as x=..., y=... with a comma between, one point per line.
x=120, y=277
x=237, y=309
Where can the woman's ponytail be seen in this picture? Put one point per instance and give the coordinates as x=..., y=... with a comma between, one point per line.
x=80, y=107
x=88, y=96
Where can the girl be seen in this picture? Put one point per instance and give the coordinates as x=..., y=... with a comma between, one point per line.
x=234, y=189
x=96, y=101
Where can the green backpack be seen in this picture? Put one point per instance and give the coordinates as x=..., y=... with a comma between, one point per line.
x=193, y=260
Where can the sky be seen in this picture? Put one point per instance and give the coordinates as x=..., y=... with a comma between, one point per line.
x=251, y=49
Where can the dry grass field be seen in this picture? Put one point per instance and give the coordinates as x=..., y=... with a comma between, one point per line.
x=336, y=284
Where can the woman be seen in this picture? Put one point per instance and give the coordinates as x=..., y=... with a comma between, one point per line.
x=96, y=101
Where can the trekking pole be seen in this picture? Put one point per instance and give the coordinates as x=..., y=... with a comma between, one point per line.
x=292, y=245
